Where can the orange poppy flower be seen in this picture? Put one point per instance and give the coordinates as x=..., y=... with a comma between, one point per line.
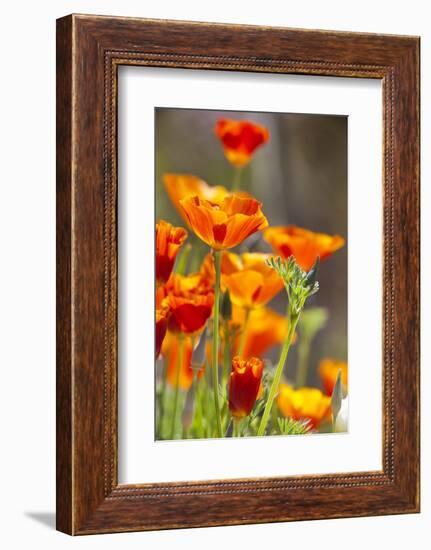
x=240, y=139
x=162, y=317
x=303, y=244
x=266, y=328
x=227, y=224
x=190, y=301
x=250, y=281
x=244, y=384
x=170, y=350
x=304, y=404
x=181, y=186
x=328, y=371
x=168, y=242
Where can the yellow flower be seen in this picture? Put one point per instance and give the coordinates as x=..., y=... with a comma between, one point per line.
x=304, y=404
x=303, y=244
x=227, y=224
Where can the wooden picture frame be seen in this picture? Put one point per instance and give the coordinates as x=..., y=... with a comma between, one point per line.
x=89, y=51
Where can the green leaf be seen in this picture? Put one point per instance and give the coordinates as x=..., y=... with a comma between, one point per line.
x=337, y=396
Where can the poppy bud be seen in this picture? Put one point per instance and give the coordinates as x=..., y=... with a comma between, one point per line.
x=244, y=384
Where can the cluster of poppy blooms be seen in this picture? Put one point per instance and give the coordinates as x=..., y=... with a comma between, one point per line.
x=241, y=285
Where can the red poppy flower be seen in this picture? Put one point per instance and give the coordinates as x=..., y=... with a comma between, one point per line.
x=190, y=301
x=240, y=139
x=244, y=384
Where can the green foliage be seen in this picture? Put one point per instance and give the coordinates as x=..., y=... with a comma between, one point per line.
x=299, y=284
x=288, y=426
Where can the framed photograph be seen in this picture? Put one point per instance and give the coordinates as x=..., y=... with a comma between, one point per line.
x=237, y=274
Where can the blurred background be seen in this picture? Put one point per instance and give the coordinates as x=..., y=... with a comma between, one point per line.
x=300, y=176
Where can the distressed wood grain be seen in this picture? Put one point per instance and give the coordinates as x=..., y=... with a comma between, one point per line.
x=89, y=51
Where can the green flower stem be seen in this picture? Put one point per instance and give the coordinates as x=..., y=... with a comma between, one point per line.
x=226, y=355
x=198, y=409
x=236, y=427
x=177, y=379
x=236, y=184
x=244, y=332
x=217, y=262
x=207, y=405
x=162, y=398
x=293, y=321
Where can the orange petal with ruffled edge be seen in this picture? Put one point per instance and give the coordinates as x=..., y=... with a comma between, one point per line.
x=227, y=224
x=190, y=301
x=244, y=287
x=181, y=186
x=251, y=282
x=303, y=244
x=169, y=239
